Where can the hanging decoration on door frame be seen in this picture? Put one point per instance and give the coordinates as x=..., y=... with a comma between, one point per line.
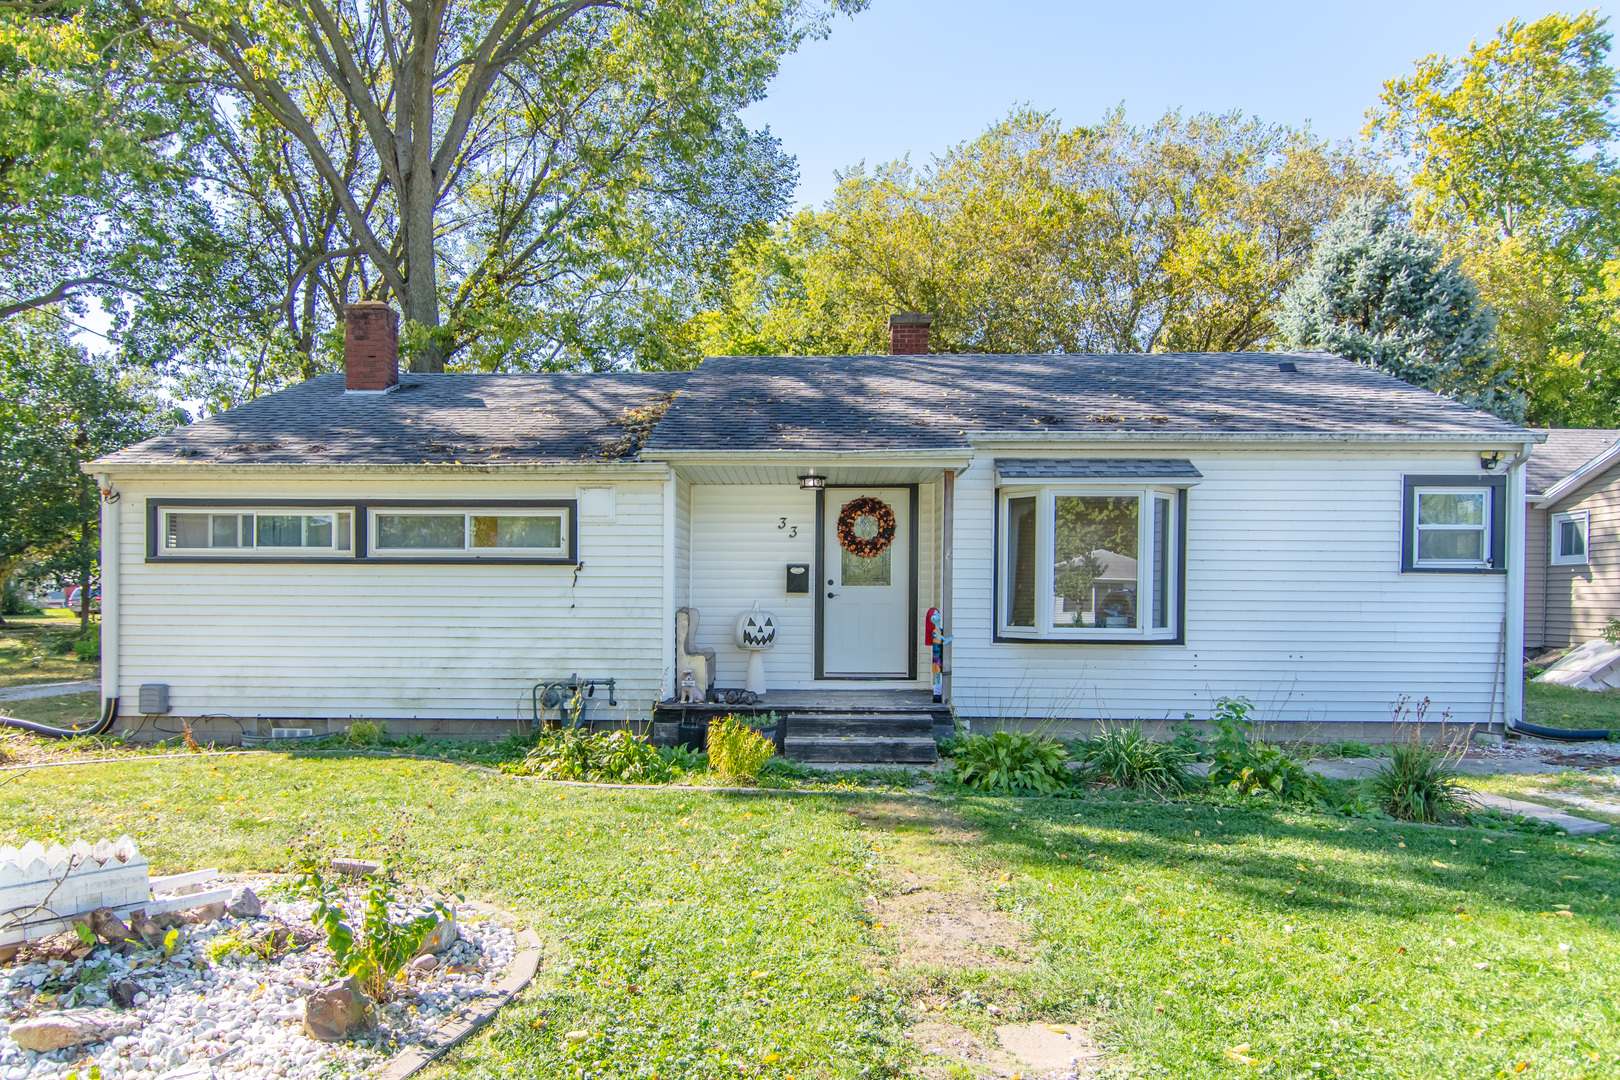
x=865, y=547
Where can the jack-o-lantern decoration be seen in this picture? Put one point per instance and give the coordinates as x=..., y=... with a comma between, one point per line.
x=756, y=629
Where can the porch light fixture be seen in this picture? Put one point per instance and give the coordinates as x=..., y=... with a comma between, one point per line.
x=1490, y=459
x=811, y=482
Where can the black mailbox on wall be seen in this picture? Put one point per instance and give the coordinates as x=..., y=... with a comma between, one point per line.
x=798, y=577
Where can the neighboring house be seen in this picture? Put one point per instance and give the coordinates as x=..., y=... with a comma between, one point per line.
x=1294, y=528
x=1572, y=561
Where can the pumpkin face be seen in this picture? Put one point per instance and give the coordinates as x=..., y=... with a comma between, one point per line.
x=756, y=630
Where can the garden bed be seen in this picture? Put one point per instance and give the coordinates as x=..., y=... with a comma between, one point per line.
x=226, y=998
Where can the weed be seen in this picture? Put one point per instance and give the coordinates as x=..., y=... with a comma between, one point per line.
x=382, y=947
x=1125, y=757
x=685, y=759
x=364, y=733
x=736, y=750
x=1189, y=739
x=1419, y=782
x=88, y=648
x=895, y=777
x=1011, y=762
x=1246, y=767
x=617, y=757
x=783, y=769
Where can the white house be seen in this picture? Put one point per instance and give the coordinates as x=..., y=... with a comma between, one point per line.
x=1106, y=536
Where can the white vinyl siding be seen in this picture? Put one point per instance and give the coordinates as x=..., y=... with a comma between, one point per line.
x=355, y=639
x=1294, y=597
x=742, y=542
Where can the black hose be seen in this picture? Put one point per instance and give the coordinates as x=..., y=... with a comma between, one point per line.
x=1563, y=734
x=100, y=727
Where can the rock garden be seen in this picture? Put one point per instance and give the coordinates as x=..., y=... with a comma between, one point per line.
x=317, y=974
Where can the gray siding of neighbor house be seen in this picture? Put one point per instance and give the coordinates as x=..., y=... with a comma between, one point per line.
x=1580, y=599
x=1537, y=535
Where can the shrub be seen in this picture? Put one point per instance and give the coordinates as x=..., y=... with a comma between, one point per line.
x=736, y=750
x=1011, y=762
x=1611, y=631
x=364, y=733
x=1419, y=783
x=382, y=947
x=1127, y=758
x=617, y=757
x=88, y=648
x=1246, y=767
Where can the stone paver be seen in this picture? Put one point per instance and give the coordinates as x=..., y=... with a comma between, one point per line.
x=55, y=689
x=1575, y=826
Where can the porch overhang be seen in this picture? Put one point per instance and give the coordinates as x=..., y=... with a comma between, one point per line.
x=874, y=468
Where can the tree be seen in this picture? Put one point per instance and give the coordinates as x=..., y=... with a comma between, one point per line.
x=1036, y=237
x=1508, y=152
x=1384, y=296
x=60, y=406
x=511, y=173
x=94, y=192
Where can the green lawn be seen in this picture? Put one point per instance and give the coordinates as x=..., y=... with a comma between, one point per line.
x=29, y=653
x=695, y=935
x=1561, y=707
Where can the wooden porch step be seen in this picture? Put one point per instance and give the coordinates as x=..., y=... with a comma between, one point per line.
x=862, y=749
x=894, y=725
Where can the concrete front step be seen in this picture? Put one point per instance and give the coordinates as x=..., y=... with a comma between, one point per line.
x=866, y=749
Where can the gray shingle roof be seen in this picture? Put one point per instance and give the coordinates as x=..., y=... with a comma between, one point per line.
x=1096, y=469
x=1565, y=450
x=471, y=419
x=922, y=402
x=813, y=403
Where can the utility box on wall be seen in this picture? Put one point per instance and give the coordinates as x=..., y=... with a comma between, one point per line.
x=154, y=698
x=798, y=578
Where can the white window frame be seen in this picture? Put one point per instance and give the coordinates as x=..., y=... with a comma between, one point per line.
x=342, y=545
x=1584, y=520
x=1045, y=556
x=1487, y=540
x=467, y=551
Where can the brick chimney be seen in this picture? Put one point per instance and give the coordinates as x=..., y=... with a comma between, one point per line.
x=908, y=333
x=370, y=348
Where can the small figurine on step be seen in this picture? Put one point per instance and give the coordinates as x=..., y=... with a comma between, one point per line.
x=689, y=692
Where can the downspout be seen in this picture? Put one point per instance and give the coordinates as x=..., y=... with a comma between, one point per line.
x=666, y=684
x=111, y=577
x=1513, y=640
x=947, y=581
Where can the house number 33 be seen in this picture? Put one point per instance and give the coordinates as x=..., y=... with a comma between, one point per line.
x=792, y=530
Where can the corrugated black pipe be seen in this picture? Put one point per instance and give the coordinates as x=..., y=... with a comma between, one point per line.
x=100, y=727
x=1563, y=734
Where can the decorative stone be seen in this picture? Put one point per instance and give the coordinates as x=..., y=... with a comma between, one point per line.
x=244, y=903
x=123, y=992
x=354, y=867
x=336, y=1011
x=441, y=937
x=75, y=1027
x=424, y=963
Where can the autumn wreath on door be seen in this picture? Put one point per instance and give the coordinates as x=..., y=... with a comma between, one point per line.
x=866, y=527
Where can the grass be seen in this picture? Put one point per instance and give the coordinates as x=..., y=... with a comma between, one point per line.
x=697, y=935
x=1562, y=707
x=57, y=711
x=26, y=655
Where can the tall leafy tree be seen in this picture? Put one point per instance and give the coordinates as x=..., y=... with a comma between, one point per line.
x=1036, y=237
x=512, y=174
x=1508, y=150
x=61, y=406
x=1384, y=296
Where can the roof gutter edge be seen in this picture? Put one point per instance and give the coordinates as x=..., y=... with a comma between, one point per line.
x=214, y=468
x=1103, y=438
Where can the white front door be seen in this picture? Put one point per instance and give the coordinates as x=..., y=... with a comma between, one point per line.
x=865, y=626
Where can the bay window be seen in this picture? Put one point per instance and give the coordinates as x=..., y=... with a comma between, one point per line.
x=1090, y=563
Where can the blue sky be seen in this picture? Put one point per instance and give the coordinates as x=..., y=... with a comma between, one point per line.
x=912, y=76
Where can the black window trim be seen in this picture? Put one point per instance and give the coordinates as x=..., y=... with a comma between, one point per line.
x=1497, y=485
x=362, y=542
x=998, y=638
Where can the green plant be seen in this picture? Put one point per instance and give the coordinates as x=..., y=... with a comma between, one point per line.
x=88, y=648
x=1011, y=762
x=364, y=733
x=238, y=942
x=684, y=759
x=736, y=750
x=1611, y=631
x=1419, y=782
x=784, y=769
x=1248, y=767
x=1125, y=757
x=1189, y=739
x=615, y=757
x=382, y=947
x=897, y=777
